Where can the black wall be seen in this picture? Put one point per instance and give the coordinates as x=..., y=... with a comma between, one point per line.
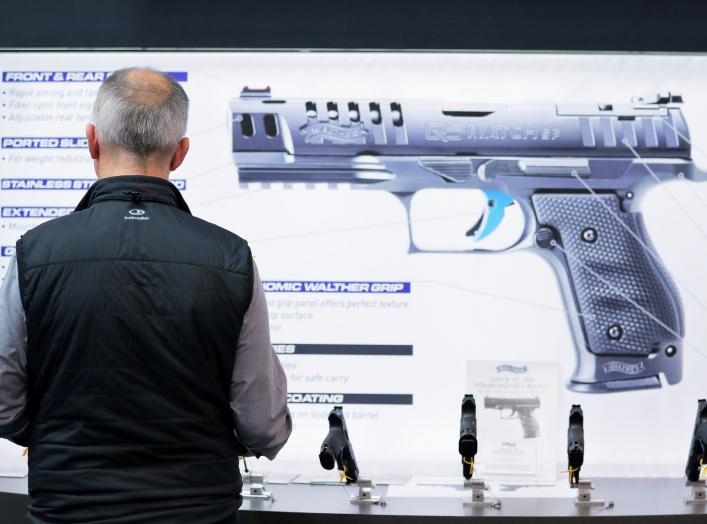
x=583, y=25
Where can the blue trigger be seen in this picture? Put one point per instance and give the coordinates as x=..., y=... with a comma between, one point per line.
x=497, y=202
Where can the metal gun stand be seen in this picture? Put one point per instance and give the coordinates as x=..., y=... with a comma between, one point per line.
x=478, y=497
x=699, y=492
x=584, y=496
x=365, y=493
x=257, y=488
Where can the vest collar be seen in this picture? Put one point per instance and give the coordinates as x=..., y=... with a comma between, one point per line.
x=136, y=188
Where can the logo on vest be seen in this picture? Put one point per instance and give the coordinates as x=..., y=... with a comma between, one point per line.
x=137, y=214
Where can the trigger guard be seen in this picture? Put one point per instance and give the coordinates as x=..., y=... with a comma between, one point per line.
x=508, y=417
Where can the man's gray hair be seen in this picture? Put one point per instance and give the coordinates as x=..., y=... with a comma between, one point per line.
x=141, y=110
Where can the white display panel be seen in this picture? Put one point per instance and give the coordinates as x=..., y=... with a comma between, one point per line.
x=454, y=308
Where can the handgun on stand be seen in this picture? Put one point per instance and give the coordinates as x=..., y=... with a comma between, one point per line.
x=577, y=174
x=697, y=458
x=575, y=443
x=467, y=435
x=336, y=449
x=520, y=408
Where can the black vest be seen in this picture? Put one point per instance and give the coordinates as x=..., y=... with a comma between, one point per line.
x=134, y=308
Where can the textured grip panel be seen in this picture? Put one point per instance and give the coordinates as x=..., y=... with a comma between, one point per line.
x=530, y=426
x=592, y=236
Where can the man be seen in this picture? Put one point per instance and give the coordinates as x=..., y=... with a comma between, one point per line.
x=135, y=358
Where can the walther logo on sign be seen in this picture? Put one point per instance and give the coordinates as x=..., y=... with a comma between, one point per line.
x=617, y=366
x=511, y=369
x=319, y=132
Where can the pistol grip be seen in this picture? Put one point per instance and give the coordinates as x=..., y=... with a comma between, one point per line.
x=530, y=425
x=625, y=311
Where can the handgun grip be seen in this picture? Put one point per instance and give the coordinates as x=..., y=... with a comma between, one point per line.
x=327, y=458
x=530, y=425
x=625, y=311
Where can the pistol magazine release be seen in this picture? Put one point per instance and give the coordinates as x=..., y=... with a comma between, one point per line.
x=575, y=443
x=576, y=173
x=697, y=457
x=517, y=408
x=337, y=450
x=467, y=435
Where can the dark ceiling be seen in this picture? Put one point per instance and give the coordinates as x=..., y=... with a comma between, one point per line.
x=578, y=25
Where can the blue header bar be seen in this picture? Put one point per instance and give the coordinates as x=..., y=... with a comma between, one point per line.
x=386, y=399
x=34, y=212
x=59, y=184
x=71, y=76
x=44, y=142
x=317, y=286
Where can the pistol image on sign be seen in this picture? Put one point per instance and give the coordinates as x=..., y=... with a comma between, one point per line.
x=575, y=174
x=467, y=435
x=696, y=468
x=520, y=408
x=575, y=443
x=336, y=448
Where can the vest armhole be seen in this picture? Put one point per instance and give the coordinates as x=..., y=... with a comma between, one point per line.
x=21, y=267
x=251, y=275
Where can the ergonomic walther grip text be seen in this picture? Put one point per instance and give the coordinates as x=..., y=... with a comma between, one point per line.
x=623, y=303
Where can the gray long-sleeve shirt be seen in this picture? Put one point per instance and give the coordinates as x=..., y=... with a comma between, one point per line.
x=258, y=383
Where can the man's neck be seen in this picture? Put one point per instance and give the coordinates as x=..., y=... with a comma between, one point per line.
x=123, y=163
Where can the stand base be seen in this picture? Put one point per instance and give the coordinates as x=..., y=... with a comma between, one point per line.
x=699, y=493
x=257, y=489
x=373, y=499
x=365, y=493
x=478, y=497
x=584, y=497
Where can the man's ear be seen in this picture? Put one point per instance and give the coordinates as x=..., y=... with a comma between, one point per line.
x=179, y=154
x=92, y=137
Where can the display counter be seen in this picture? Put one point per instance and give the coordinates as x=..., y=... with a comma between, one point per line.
x=655, y=500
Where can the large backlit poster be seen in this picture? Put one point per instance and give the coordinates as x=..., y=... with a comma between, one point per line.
x=430, y=225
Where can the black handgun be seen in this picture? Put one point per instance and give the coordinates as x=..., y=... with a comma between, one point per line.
x=698, y=445
x=575, y=443
x=467, y=435
x=337, y=448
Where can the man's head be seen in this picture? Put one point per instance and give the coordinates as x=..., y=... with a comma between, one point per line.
x=139, y=122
